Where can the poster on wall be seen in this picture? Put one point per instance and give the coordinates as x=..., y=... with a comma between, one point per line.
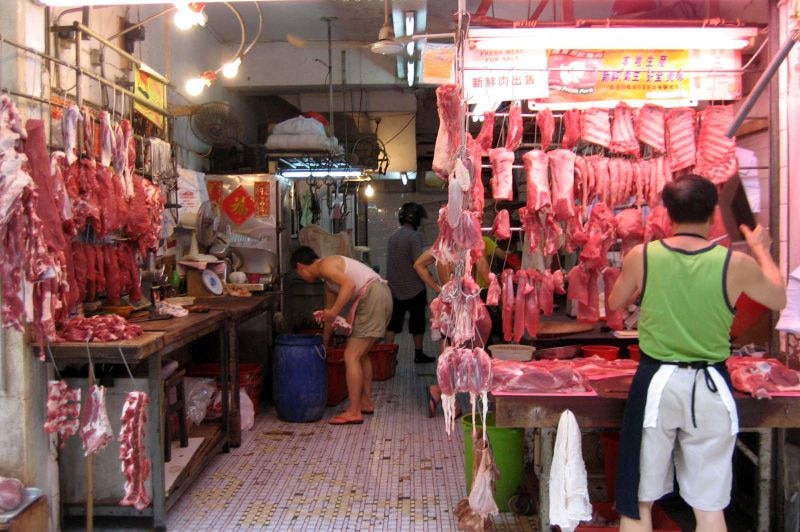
x=145, y=86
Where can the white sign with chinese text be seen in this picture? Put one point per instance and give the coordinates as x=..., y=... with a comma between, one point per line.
x=505, y=74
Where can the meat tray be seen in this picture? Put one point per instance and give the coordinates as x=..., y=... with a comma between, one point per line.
x=31, y=496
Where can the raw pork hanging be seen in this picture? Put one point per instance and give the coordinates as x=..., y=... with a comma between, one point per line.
x=571, y=120
x=562, y=170
x=596, y=126
x=63, y=410
x=502, y=179
x=650, y=127
x=716, y=152
x=623, y=136
x=96, y=431
x=547, y=125
x=537, y=181
x=681, y=146
x=447, y=139
x=136, y=466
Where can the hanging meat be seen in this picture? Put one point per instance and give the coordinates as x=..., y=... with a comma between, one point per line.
x=596, y=126
x=623, y=136
x=502, y=160
x=650, y=127
x=681, y=146
x=716, y=152
x=514, y=126
x=447, y=139
x=502, y=225
x=562, y=170
x=485, y=135
x=63, y=410
x=96, y=431
x=571, y=120
x=547, y=125
x=630, y=228
x=536, y=179
x=132, y=453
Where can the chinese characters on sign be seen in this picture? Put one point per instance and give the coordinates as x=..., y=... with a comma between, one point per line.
x=152, y=90
x=499, y=75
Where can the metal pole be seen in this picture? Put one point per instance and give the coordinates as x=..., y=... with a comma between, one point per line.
x=765, y=78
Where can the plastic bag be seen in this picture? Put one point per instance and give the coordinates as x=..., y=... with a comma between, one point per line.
x=198, y=396
x=246, y=410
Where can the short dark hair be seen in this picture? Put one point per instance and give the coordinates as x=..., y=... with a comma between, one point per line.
x=690, y=199
x=302, y=255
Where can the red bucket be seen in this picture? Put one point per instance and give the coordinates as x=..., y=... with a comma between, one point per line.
x=609, y=352
x=633, y=351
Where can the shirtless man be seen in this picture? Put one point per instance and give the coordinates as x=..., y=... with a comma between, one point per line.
x=680, y=411
x=349, y=282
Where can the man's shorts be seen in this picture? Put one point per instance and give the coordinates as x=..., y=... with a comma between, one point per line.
x=373, y=312
x=702, y=456
x=416, y=309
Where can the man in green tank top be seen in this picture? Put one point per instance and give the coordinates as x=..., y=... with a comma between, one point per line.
x=680, y=415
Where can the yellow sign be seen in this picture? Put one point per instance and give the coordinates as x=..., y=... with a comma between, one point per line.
x=148, y=88
x=591, y=75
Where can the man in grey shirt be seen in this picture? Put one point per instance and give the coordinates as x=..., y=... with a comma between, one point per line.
x=408, y=290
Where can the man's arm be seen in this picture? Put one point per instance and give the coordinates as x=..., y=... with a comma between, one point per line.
x=421, y=266
x=629, y=282
x=327, y=325
x=758, y=276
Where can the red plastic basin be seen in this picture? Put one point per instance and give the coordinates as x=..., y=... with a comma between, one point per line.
x=609, y=352
x=633, y=351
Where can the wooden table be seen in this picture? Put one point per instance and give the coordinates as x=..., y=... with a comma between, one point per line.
x=605, y=410
x=237, y=311
x=160, y=338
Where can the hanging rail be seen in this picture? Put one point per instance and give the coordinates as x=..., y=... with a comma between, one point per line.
x=82, y=71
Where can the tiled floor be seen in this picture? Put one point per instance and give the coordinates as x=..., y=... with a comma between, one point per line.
x=397, y=471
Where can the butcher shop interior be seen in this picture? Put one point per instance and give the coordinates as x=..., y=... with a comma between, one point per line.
x=206, y=206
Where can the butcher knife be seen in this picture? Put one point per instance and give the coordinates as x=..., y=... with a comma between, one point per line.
x=735, y=208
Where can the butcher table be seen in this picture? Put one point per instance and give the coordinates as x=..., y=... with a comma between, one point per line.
x=159, y=339
x=604, y=411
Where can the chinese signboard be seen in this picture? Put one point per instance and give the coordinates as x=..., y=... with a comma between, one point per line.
x=505, y=74
x=148, y=88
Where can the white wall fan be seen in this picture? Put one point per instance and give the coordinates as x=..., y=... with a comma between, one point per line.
x=206, y=227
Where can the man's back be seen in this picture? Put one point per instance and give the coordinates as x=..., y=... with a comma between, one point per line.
x=403, y=248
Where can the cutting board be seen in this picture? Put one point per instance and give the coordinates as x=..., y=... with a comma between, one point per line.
x=554, y=329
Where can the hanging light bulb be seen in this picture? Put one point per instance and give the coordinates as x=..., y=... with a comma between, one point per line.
x=229, y=70
x=404, y=178
x=189, y=15
x=369, y=191
x=195, y=86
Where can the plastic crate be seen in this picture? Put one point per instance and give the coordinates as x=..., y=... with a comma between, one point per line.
x=251, y=378
x=337, y=376
x=605, y=510
x=384, y=361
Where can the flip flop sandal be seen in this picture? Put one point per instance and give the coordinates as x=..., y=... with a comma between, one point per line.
x=368, y=412
x=342, y=420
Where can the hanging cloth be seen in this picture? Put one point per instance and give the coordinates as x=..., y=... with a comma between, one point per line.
x=569, y=492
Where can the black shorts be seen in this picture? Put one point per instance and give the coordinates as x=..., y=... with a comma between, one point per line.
x=416, y=310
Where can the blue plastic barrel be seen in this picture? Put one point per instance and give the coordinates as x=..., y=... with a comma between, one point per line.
x=300, y=377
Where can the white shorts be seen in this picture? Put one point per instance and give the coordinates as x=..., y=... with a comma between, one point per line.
x=702, y=456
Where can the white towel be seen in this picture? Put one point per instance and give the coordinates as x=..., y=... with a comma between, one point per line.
x=569, y=493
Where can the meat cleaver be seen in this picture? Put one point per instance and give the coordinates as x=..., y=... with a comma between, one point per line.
x=735, y=208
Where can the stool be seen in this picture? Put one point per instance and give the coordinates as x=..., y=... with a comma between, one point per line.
x=178, y=407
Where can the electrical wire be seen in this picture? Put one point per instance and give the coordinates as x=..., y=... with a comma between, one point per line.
x=413, y=116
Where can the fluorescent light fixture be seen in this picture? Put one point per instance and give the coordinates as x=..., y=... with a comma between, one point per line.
x=300, y=173
x=404, y=178
x=410, y=45
x=410, y=73
x=637, y=38
x=229, y=70
x=410, y=23
x=82, y=3
x=608, y=104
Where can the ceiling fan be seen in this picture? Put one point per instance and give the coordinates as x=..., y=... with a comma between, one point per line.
x=387, y=44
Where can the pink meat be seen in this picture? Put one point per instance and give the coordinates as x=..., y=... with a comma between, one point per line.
x=136, y=466
x=63, y=410
x=552, y=235
x=514, y=127
x=596, y=126
x=630, y=228
x=519, y=305
x=502, y=225
x=681, y=146
x=716, y=153
x=532, y=303
x=547, y=125
x=623, y=137
x=112, y=276
x=536, y=179
x=571, y=121
x=476, y=193
x=96, y=431
x=493, y=294
x=502, y=179
x=531, y=226
x=485, y=135
x=650, y=127
x=447, y=104
x=562, y=170
x=613, y=317
x=658, y=224
x=508, y=304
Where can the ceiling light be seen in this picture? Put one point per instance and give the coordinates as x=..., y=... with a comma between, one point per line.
x=608, y=104
x=640, y=38
x=229, y=70
x=410, y=45
x=404, y=178
x=188, y=15
x=410, y=73
x=369, y=191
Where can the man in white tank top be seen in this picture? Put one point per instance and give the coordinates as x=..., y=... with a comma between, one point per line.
x=349, y=282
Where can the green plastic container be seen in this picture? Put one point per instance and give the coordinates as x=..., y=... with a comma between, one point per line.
x=509, y=450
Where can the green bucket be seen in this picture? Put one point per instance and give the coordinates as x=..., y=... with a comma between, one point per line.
x=508, y=448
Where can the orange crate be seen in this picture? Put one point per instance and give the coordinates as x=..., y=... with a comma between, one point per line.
x=384, y=361
x=337, y=376
x=606, y=512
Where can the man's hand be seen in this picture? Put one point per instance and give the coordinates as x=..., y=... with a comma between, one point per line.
x=758, y=239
